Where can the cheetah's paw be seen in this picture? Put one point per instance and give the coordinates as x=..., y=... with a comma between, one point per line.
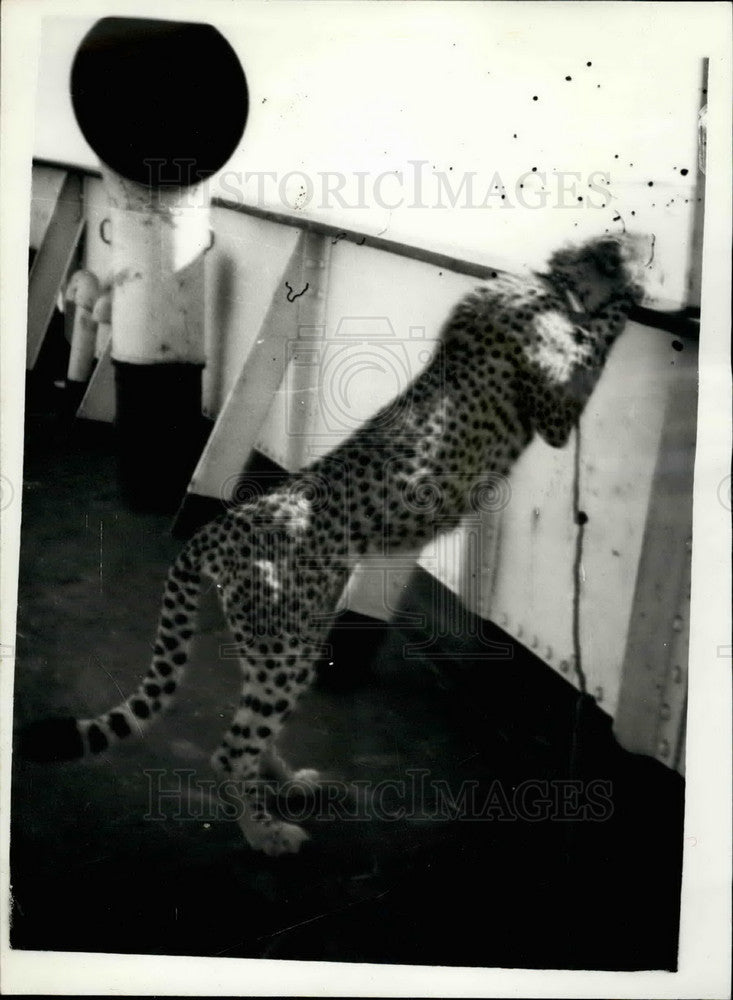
x=307, y=776
x=276, y=838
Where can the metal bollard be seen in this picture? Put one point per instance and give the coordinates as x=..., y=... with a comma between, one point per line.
x=102, y=316
x=79, y=298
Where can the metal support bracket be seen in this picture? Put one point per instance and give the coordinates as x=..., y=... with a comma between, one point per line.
x=52, y=262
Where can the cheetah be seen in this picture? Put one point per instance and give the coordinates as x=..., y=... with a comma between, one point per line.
x=517, y=357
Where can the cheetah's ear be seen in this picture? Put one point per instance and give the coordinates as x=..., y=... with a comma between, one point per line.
x=607, y=256
x=563, y=258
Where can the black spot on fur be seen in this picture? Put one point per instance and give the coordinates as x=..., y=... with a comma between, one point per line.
x=140, y=709
x=119, y=725
x=97, y=740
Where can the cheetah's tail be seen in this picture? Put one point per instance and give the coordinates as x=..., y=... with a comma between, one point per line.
x=69, y=738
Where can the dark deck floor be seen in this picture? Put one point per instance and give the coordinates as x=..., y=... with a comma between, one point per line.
x=90, y=873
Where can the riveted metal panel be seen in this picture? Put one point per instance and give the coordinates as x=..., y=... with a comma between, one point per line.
x=651, y=709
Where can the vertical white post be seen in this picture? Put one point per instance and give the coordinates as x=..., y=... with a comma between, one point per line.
x=159, y=238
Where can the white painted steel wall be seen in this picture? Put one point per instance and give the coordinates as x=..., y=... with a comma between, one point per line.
x=376, y=90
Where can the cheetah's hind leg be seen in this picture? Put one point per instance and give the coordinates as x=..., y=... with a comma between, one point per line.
x=275, y=673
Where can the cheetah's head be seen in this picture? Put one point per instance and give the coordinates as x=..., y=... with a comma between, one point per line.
x=602, y=268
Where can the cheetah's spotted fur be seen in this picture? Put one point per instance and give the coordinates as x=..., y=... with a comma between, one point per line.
x=515, y=360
